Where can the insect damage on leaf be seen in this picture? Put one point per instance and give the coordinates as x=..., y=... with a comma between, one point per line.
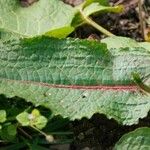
x=27, y=3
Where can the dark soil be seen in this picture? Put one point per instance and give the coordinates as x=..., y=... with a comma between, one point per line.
x=100, y=133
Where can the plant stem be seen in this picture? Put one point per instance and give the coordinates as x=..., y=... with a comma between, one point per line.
x=61, y=133
x=25, y=133
x=38, y=130
x=49, y=138
x=95, y=25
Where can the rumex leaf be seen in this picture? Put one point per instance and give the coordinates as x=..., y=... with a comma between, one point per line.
x=76, y=78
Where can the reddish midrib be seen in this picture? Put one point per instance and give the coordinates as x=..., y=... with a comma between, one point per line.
x=82, y=87
x=98, y=87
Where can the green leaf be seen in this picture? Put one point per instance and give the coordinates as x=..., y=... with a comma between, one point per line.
x=123, y=42
x=61, y=32
x=50, y=17
x=97, y=8
x=40, y=122
x=46, y=17
x=2, y=116
x=23, y=118
x=11, y=129
x=8, y=132
x=35, y=113
x=91, y=7
x=146, y=45
x=33, y=119
x=37, y=119
x=101, y=2
x=76, y=78
x=135, y=140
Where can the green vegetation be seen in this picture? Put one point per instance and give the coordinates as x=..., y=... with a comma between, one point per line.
x=48, y=80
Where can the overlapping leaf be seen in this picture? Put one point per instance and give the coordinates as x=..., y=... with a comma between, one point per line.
x=121, y=42
x=92, y=7
x=76, y=78
x=44, y=16
x=96, y=7
x=135, y=140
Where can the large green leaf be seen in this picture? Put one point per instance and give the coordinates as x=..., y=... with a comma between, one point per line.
x=44, y=16
x=135, y=140
x=76, y=78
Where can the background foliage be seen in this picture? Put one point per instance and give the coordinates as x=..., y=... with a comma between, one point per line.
x=45, y=82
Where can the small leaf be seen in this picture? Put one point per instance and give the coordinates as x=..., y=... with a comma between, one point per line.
x=33, y=119
x=97, y=8
x=61, y=32
x=8, y=132
x=2, y=116
x=23, y=118
x=40, y=122
x=11, y=129
x=37, y=119
x=135, y=140
x=35, y=113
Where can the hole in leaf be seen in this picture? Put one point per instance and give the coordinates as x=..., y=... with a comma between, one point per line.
x=84, y=95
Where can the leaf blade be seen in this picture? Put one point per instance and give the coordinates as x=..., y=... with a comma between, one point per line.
x=42, y=15
x=76, y=78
